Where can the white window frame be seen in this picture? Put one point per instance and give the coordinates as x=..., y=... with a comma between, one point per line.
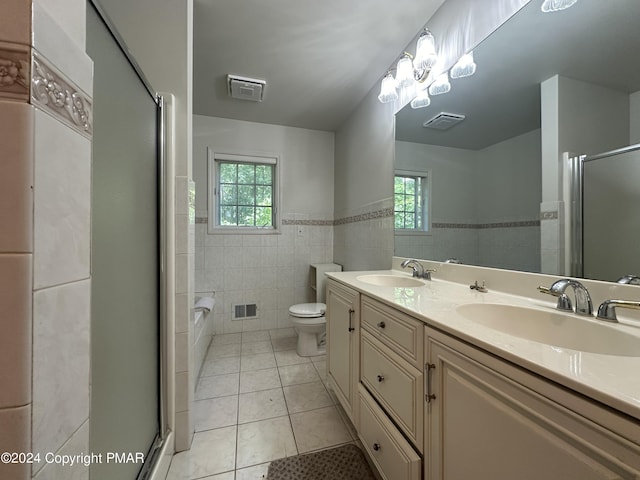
x=426, y=199
x=212, y=198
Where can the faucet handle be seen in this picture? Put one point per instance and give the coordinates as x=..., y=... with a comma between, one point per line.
x=607, y=309
x=564, y=302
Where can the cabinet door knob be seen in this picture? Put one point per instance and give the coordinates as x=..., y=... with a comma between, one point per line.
x=376, y=446
x=381, y=324
x=380, y=378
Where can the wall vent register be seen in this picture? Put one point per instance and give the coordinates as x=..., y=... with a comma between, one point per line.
x=244, y=311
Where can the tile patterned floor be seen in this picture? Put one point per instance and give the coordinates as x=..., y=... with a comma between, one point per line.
x=257, y=401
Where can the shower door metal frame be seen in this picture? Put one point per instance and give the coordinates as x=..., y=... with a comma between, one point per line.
x=161, y=128
x=576, y=169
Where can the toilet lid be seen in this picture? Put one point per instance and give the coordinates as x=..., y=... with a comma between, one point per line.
x=307, y=309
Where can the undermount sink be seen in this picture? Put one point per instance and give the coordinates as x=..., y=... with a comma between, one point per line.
x=553, y=328
x=386, y=280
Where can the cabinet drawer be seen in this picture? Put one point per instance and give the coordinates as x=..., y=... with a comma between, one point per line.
x=392, y=455
x=395, y=384
x=399, y=331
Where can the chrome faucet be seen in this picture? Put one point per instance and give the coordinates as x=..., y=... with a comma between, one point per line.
x=453, y=260
x=584, y=306
x=418, y=270
x=629, y=280
x=607, y=309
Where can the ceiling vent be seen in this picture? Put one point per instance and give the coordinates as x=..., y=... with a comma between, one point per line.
x=443, y=121
x=244, y=88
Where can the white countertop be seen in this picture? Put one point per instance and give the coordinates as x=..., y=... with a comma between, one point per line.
x=610, y=379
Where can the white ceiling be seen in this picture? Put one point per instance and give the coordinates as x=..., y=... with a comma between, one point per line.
x=319, y=58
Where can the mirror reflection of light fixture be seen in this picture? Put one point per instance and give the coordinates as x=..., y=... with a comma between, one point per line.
x=465, y=67
x=410, y=71
x=556, y=5
x=421, y=100
x=441, y=85
x=388, y=91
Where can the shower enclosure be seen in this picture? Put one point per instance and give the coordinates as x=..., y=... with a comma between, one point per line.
x=605, y=195
x=127, y=415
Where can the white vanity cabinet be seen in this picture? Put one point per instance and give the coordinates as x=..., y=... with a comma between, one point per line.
x=343, y=344
x=391, y=354
x=489, y=420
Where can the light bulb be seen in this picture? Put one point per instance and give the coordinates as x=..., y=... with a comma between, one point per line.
x=388, y=91
x=465, y=67
x=404, y=71
x=426, y=54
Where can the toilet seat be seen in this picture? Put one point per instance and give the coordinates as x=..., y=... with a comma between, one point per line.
x=307, y=310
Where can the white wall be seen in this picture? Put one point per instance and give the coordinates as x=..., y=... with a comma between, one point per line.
x=364, y=187
x=271, y=270
x=306, y=158
x=473, y=188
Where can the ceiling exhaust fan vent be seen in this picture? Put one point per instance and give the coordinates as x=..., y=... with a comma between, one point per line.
x=244, y=88
x=443, y=121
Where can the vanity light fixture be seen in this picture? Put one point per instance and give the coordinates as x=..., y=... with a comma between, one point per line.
x=465, y=67
x=410, y=70
x=388, y=92
x=426, y=55
x=556, y=5
x=441, y=85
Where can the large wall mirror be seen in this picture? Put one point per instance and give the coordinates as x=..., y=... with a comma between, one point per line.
x=486, y=186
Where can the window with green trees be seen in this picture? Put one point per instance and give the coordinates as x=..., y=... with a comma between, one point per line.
x=410, y=202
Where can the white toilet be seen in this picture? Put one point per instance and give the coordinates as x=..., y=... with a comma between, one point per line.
x=308, y=318
x=310, y=324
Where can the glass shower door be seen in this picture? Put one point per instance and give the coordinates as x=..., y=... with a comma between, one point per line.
x=125, y=328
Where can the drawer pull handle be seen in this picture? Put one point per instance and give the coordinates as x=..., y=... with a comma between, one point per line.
x=380, y=378
x=382, y=324
x=351, y=312
x=427, y=380
x=376, y=446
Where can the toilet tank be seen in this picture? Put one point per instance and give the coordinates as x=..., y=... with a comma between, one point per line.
x=318, y=279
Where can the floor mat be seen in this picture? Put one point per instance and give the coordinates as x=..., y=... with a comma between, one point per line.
x=341, y=463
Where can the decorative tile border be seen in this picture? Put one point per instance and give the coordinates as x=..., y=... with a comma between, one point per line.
x=387, y=212
x=54, y=93
x=313, y=223
x=549, y=215
x=363, y=217
x=525, y=223
x=14, y=71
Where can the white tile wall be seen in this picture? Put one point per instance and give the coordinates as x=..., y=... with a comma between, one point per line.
x=366, y=244
x=271, y=270
x=62, y=204
x=77, y=444
x=63, y=45
x=60, y=363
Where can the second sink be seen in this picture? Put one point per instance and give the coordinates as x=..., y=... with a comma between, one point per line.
x=553, y=328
